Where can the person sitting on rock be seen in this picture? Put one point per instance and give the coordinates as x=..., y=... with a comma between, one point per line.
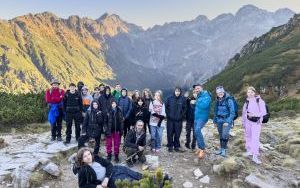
x=135, y=143
x=94, y=171
x=92, y=127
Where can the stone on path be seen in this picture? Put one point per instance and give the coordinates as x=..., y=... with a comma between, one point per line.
x=254, y=181
x=152, y=161
x=205, y=179
x=198, y=173
x=52, y=169
x=187, y=184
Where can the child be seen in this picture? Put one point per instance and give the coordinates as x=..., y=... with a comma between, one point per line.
x=113, y=131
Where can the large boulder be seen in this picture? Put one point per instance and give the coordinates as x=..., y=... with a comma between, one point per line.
x=52, y=169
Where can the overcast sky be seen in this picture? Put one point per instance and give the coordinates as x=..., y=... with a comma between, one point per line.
x=145, y=13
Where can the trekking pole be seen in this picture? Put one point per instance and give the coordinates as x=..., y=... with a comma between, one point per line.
x=135, y=153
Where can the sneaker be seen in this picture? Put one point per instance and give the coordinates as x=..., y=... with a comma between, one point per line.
x=201, y=154
x=129, y=164
x=157, y=150
x=153, y=150
x=59, y=139
x=248, y=153
x=218, y=152
x=170, y=150
x=256, y=160
x=52, y=139
x=178, y=150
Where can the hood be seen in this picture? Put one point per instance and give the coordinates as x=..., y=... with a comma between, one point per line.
x=124, y=89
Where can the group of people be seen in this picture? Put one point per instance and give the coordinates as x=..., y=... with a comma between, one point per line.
x=116, y=114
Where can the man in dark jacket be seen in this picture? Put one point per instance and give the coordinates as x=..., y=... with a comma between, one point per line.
x=135, y=143
x=125, y=104
x=92, y=127
x=175, y=110
x=105, y=100
x=190, y=119
x=73, y=108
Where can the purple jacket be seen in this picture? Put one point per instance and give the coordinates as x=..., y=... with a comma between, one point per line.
x=256, y=109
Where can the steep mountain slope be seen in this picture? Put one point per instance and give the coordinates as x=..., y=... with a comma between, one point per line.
x=271, y=63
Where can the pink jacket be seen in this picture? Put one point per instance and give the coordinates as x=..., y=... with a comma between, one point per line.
x=257, y=109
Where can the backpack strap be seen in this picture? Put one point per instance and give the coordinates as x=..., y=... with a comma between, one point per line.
x=247, y=104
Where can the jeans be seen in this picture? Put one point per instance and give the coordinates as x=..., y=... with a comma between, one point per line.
x=199, y=124
x=223, y=133
x=121, y=173
x=156, y=136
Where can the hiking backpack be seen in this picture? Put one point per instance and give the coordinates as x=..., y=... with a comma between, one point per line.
x=235, y=105
x=265, y=117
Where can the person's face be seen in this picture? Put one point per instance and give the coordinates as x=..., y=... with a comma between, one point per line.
x=123, y=93
x=118, y=87
x=139, y=126
x=85, y=91
x=72, y=89
x=195, y=95
x=140, y=103
x=107, y=92
x=101, y=88
x=137, y=94
x=95, y=105
x=113, y=105
x=87, y=157
x=146, y=94
x=177, y=92
x=198, y=89
x=250, y=93
x=220, y=94
x=55, y=85
x=97, y=91
x=157, y=96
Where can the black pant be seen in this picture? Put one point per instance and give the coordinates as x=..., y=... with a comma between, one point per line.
x=84, y=138
x=77, y=116
x=127, y=125
x=190, y=128
x=130, y=153
x=56, y=127
x=174, y=129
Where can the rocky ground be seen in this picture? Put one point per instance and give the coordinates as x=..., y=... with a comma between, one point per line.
x=31, y=160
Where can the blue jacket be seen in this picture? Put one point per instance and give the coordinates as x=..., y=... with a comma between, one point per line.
x=126, y=105
x=203, y=106
x=53, y=113
x=224, y=110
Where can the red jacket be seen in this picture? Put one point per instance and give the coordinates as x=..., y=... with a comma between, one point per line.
x=56, y=96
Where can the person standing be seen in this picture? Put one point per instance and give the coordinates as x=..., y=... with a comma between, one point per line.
x=254, y=110
x=224, y=114
x=202, y=110
x=125, y=105
x=54, y=98
x=117, y=92
x=190, y=121
x=175, y=110
x=73, y=107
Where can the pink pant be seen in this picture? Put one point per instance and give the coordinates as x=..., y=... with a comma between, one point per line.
x=252, y=134
x=115, y=139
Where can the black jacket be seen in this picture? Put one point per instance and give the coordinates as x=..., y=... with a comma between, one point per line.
x=147, y=102
x=139, y=113
x=190, y=110
x=87, y=177
x=72, y=102
x=131, y=140
x=105, y=102
x=93, y=123
x=114, y=122
x=175, y=108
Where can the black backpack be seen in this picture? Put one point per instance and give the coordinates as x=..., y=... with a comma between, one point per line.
x=265, y=117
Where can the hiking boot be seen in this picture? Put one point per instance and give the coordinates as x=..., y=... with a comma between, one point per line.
x=67, y=142
x=129, y=164
x=170, y=150
x=223, y=153
x=117, y=160
x=201, y=154
x=142, y=159
x=256, y=160
x=59, y=139
x=219, y=152
x=109, y=156
x=52, y=139
x=179, y=150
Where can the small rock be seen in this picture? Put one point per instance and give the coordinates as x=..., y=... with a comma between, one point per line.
x=232, y=134
x=44, y=161
x=152, y=161
x=205, y=179
x=187, y=184
x=217, y=169
x=52, y=169
x=145, y=167
x=2, y=178
x=31, y=166
x=9, y=185
x=257, y=182
x=198, y=173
